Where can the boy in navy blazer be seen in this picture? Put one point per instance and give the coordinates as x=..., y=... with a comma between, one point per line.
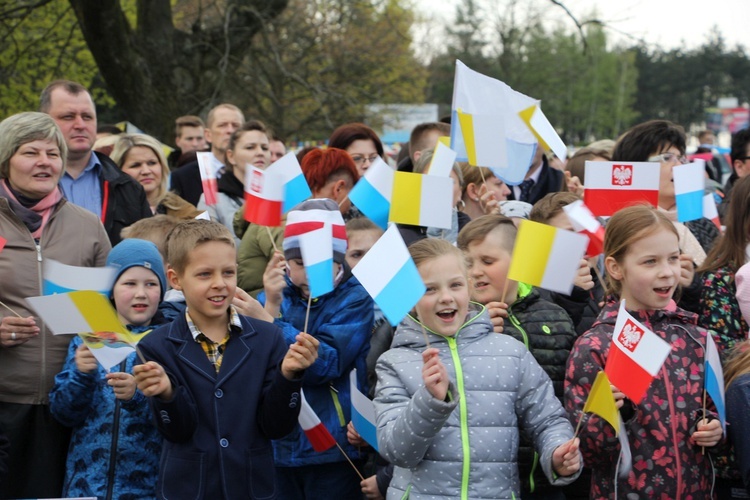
x=221, y=385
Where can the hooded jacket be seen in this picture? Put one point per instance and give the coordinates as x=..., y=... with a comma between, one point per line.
x=342, y=321
x=73, y=236
x=466, y=447
x=666, y=464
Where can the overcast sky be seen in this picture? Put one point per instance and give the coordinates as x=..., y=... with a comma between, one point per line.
x=666, y=24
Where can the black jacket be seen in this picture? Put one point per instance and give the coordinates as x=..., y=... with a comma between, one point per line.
x=186, y=182
x=550, y=181
x=123, y=199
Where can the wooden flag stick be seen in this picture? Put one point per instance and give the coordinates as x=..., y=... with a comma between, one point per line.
x=426, y=338
x=307, y=314
x=273, y=241
x=11, y=310
x=140, y=354
x=578, y=427
x=344, y=200
x=350, y=461
x=703, y=448
x=505, y=289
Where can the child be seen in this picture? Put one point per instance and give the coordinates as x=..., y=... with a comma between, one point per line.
x=544, y=328
x=114, y=449
x=667, y=430
x=737, y=377
x=221, y=385
x=719, y=309
x=582, y=304
x=342, y=321
x=451, y=396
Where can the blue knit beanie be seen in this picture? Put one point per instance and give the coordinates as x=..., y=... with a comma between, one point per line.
x=133, y=252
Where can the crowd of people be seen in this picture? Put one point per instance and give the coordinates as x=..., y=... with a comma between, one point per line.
x=476, y=392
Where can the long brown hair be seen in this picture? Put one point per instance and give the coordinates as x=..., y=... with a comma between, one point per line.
x=737, y=363
x=729, y=250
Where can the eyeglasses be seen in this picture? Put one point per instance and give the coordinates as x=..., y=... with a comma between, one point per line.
x=360, y=160
x=669, y=158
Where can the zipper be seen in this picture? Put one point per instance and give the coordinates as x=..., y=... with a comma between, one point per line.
x=42, y=329
x=518, y=326
x=673, y=425
x=463, y=416
x=337, y=404
x=113, y=444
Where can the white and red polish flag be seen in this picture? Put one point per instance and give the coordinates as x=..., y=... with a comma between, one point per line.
x=635, y=356
x=612, y=185
x=320, y=437
x=583, y=221
x=264, y=197
x=208, y=178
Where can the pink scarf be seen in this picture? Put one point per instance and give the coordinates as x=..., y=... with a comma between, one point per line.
x=31, y=216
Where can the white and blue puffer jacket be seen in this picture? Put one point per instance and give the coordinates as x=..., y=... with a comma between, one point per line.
x=468, y=447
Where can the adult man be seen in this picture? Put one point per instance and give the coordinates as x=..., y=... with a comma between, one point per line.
x=189, y=132
x=423, y=136
x=740, y=156
x=221, y=123
x=277, y=148
x=91, y=180
x=540, y=180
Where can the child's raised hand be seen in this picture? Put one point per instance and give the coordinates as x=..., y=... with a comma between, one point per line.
x=687, y=270
x=583, y=277
x=123, y=385
x=370, y=488
x=707, y=433
x=273, y=277
x=434, y=374
x=573, y=183
x=300, y=355
x=152, y=380
x=566, y=459
x=619, y=396
x=498, y=311
x=85, y=360
x=353, y=436
x=249, y=306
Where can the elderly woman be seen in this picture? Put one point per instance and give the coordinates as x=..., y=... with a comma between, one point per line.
x=141, y=157
x=36, y=224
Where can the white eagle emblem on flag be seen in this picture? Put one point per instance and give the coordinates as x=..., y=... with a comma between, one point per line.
x=622, y=175
x=630, y=336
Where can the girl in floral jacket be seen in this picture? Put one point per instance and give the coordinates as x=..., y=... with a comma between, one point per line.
x=719, y=309
x=667, y=430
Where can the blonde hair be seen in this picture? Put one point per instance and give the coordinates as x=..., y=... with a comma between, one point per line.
x=737, y=363
x=187, y=235
x=154, y=229
x=126, y=142
x=432, y=248
x=478, y=229
x=625, y=228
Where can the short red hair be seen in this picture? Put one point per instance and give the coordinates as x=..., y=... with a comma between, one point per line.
x=320, y=166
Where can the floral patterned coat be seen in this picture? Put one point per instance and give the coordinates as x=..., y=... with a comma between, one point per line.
x=719, y=309
x=666, y=465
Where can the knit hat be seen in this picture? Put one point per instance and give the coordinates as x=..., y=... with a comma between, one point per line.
x=309, y=216
x=133, y=252
x=513, y=208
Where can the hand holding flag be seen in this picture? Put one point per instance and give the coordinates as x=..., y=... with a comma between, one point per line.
x=635, y=356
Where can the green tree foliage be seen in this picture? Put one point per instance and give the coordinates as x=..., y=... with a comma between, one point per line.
x=679, y=85
x=587, y=89
x=39, y=44
x=322, y=61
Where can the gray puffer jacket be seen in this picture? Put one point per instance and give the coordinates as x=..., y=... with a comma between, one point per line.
x=468, y=447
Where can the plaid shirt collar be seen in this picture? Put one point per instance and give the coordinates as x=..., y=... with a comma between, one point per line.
x=234, y=323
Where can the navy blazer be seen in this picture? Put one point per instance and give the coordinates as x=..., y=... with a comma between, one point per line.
x=218, y=427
